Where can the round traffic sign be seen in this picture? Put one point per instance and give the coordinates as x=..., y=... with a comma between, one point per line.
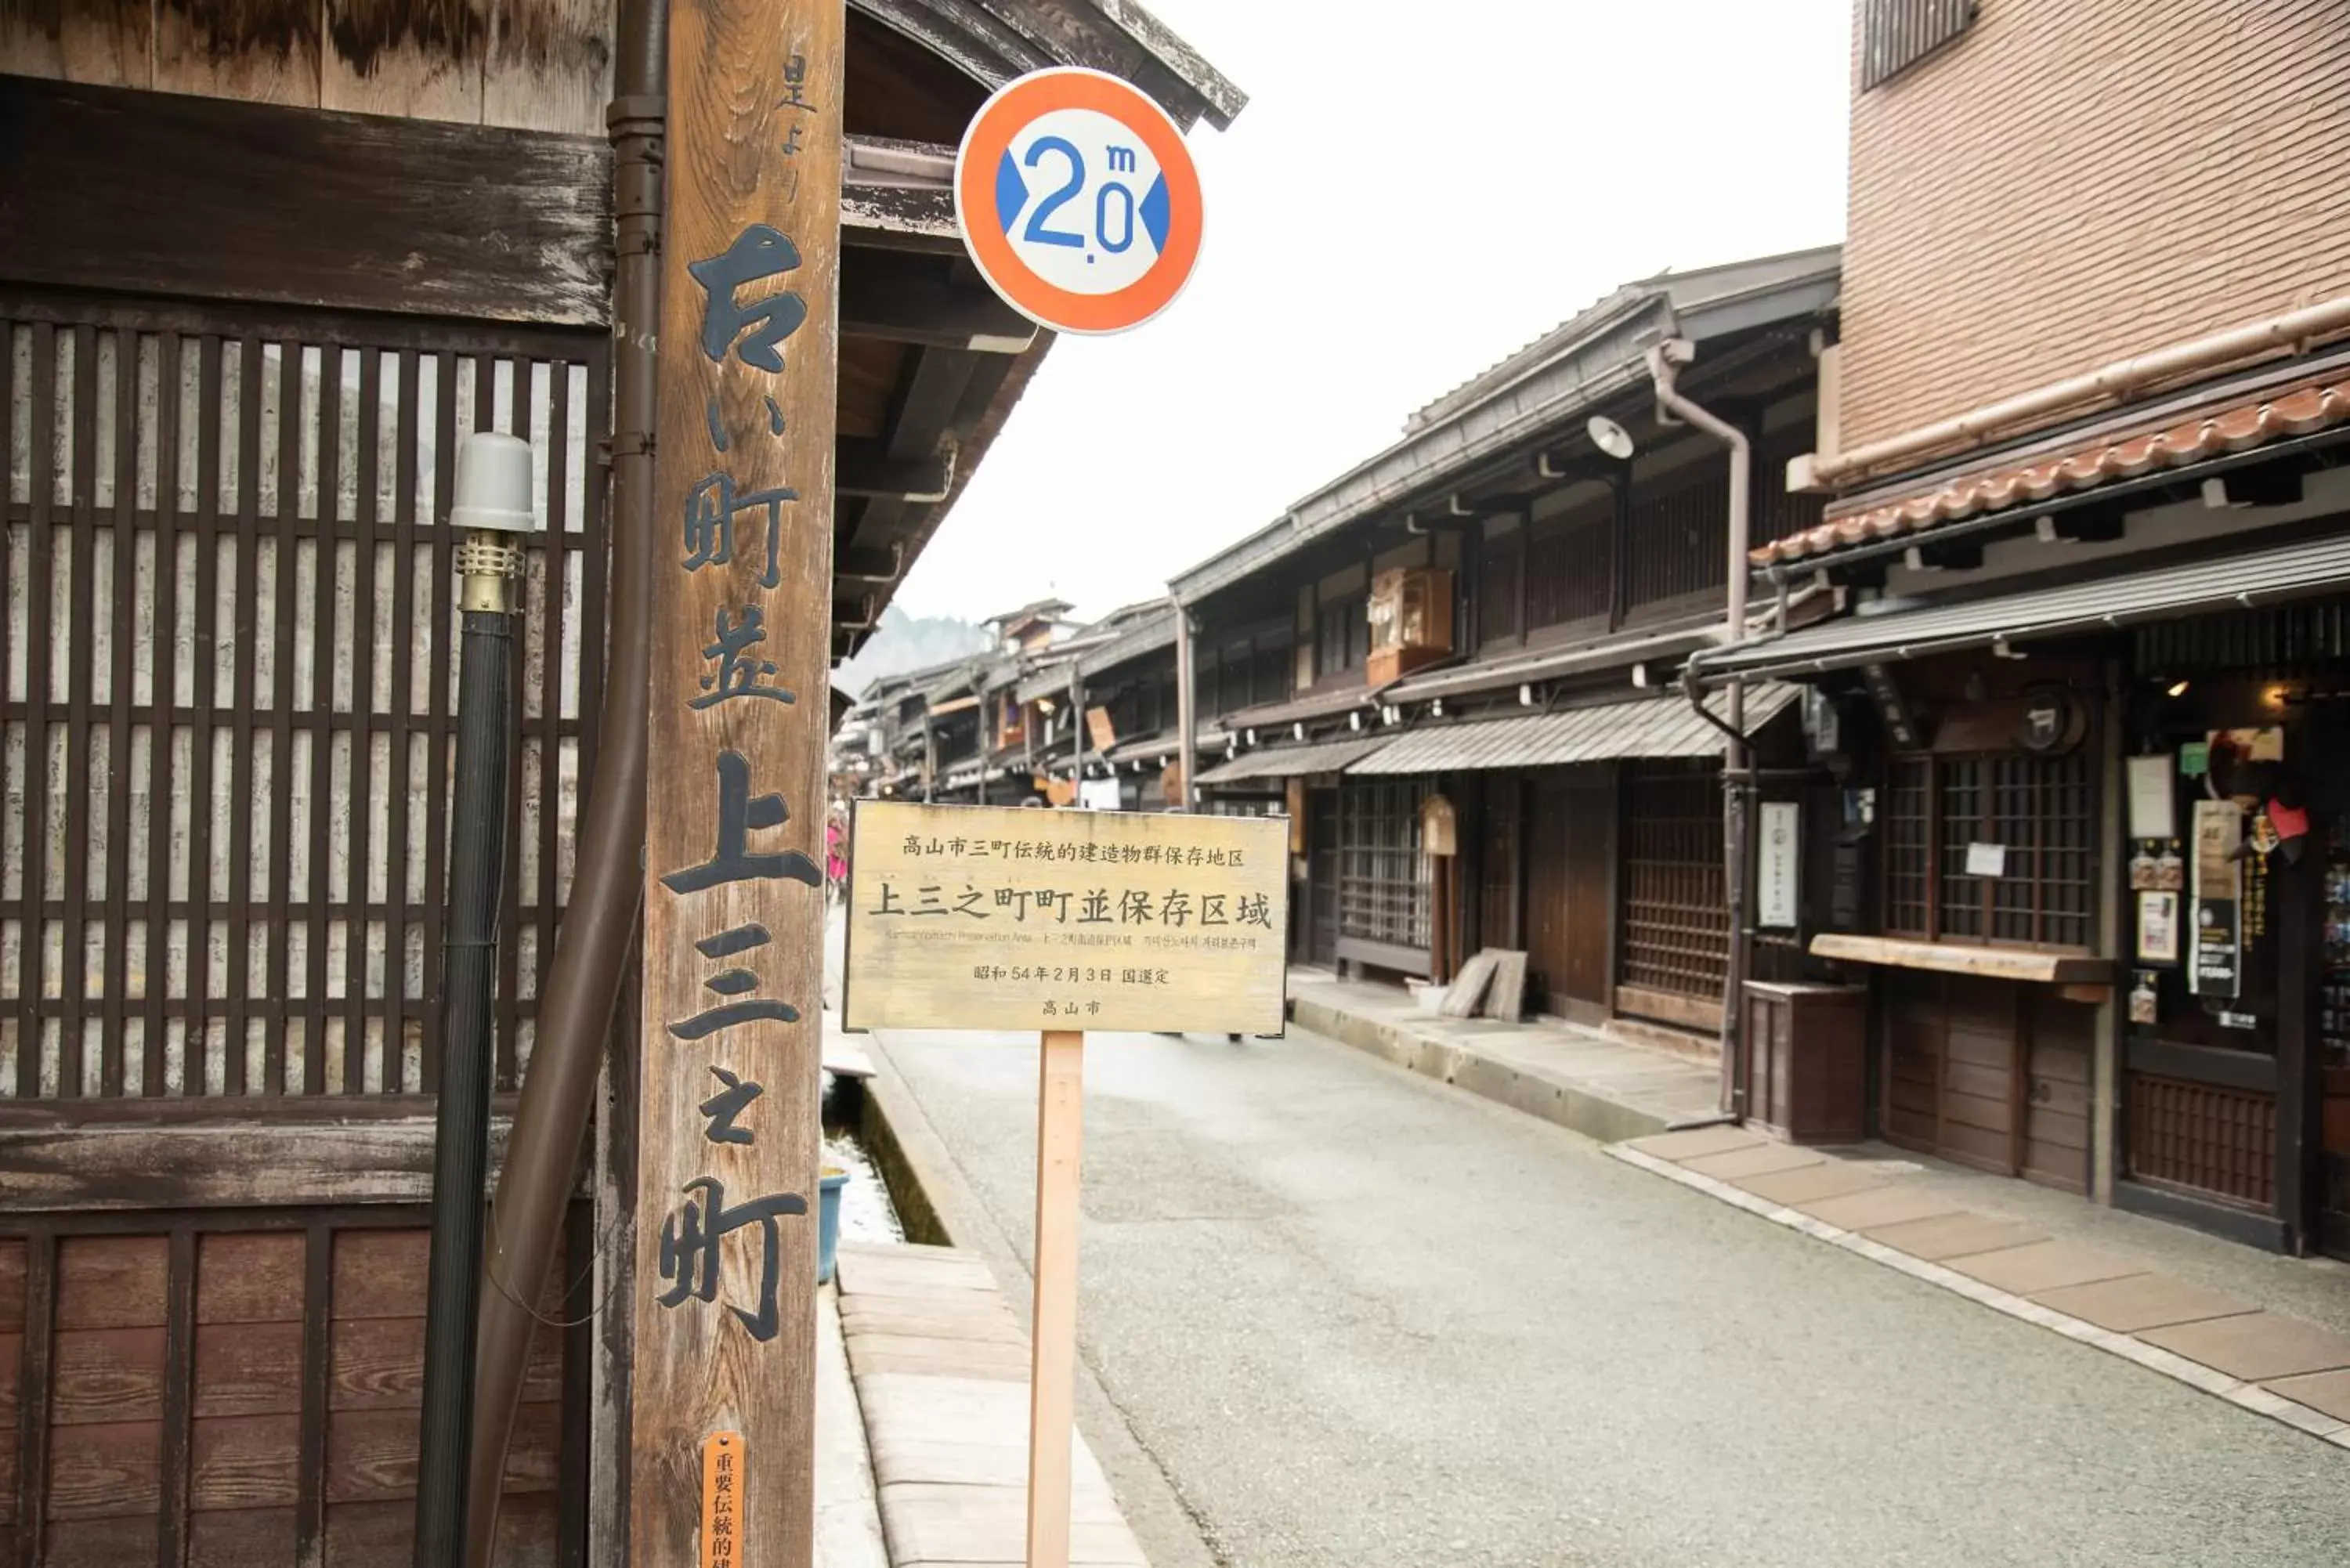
x=1078, y=200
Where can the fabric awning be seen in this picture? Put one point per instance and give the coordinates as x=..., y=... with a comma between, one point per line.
x=1294, y=762
x=1662, y=726
x=2241, y=582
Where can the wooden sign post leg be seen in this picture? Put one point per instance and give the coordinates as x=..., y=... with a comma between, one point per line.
x=1060, y=1129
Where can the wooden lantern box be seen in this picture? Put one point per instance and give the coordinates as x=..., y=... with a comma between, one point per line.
x=1411, y=621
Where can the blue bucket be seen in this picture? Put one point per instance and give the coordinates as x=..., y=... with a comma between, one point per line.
x=828, y=1223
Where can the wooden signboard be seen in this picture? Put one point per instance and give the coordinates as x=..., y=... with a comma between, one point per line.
x=1099, y=728
x=723, y=1312
x=1062, y=921
x=996, y=917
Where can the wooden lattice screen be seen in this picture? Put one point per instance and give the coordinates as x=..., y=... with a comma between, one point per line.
x=2203, y=1136
x=2041, y=810
x=1676, y=932
x=229, y=684
x=1382, y=876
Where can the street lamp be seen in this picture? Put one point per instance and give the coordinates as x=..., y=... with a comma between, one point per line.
x=494, y=518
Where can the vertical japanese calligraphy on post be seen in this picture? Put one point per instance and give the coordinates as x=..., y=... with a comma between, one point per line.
x=989, y=918
x=724, y=1314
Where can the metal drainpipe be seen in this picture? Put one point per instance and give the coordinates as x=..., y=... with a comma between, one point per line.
x=1185, y=718
x=1078, y=727
x=1737, y=784
x=599, y=925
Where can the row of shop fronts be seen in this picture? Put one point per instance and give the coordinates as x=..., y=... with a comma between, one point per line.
x=2041, y=808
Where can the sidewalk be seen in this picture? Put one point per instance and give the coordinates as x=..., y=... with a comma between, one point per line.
x=1582, y=1080
x=2269, y=1333
x=941, y=1372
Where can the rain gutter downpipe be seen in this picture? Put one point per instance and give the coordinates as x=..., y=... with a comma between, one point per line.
x=600, y=924
x=1664, y=362
x=1186, y=719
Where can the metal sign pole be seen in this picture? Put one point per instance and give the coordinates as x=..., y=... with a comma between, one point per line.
x=1060, y=1136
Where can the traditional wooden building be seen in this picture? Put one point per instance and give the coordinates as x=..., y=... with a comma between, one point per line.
x=2078, y=712
x=260, y=268
x=1486, y=620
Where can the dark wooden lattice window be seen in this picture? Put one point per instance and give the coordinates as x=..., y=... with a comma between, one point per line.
x=1342, y=635
x=1680, y=541
x=228, y=700
x=1382, y=876
x=1567, y=569
x=1909, y=847
x=2041, y=812
x=1269, y=671
x=1676, y=934
x=1500, y=573
x=1896, y=34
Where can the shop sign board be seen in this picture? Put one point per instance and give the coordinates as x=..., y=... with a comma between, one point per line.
x=992, y=918
x=1778, y=849
x=2217, y=967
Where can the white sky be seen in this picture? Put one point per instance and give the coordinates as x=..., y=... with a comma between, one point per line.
x=1399, y=206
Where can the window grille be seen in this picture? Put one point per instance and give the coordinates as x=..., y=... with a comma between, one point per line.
x=1896, y=34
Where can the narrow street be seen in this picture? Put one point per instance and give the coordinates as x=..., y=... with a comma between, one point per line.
x=1358, y=1318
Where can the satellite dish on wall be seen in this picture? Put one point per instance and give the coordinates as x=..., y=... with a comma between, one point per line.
x=1608, y=436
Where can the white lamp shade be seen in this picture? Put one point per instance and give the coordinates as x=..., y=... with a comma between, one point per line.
x=492, y=489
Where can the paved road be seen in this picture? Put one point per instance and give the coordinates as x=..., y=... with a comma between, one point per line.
x=1360, y=1319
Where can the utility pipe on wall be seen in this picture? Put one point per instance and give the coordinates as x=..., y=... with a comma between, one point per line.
x=1664, y=360
x=600, y=924
x=1185, y=718
x=2116, y=381
x=493, y=515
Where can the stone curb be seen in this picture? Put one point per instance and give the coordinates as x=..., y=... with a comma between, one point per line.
x=2129, y=1347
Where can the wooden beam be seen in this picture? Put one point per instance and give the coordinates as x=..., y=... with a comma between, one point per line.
x=907, y=297
x=723, y=1303
x=108, y=189
x=928, y=401
x=864, y=467
x=871, y=563
x=230, y=1162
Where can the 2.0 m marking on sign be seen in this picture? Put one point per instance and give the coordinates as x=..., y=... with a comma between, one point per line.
x=1078, y=200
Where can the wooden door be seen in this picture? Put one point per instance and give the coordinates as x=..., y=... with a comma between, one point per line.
x=1501, y=871
x=1569, y=888
x=1321, y=877
x=1952, y=1085
x=2058, y=1051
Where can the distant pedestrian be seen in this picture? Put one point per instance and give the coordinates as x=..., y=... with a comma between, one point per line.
x=836, y=862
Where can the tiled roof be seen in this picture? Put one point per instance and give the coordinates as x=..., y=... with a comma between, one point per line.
x=2237, y=427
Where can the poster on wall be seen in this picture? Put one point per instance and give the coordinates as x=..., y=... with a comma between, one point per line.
x=1776, y=851
x=2217, y=970
x=2157, y=928
x=2152, y=808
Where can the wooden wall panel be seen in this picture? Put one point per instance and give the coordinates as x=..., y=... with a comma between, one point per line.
x=216, y=1331
x=548, y=66
x=242, y=1538
x=2059, y=1053
x=262, y=51
x=105, y=42
x=419, y=59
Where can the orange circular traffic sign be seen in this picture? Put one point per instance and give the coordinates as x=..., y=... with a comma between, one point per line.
x=1078, y=200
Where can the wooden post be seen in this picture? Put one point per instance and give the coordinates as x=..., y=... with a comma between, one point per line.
x=723, y=1309
x=1060, y=1128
